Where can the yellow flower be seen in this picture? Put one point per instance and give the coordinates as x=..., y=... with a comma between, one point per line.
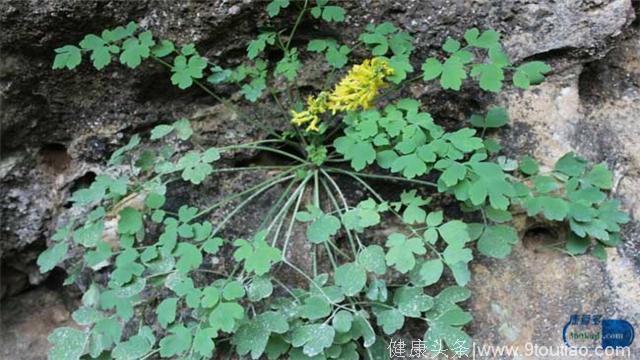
x=360, y=87
x=318, y=104
x=302, y=117
x=315, y=106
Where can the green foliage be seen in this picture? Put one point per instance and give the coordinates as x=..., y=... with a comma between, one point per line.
x=329, y=13
x=195, y=282
x=489, y=70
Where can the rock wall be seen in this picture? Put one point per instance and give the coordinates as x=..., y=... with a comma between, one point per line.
x=59, y=127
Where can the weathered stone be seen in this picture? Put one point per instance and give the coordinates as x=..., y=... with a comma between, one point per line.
x=27, y=321
x=529, y=297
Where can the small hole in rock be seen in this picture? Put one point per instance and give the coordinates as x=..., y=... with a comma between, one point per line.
x=541, y=239
x=55, y=280
x=55, y=157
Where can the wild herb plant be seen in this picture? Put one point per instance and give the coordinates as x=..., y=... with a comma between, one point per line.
x=147, y=256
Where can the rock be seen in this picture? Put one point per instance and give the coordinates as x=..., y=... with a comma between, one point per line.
x=27, y=321
x=529, y=297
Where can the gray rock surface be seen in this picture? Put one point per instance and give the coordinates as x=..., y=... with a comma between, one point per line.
x=59, y=127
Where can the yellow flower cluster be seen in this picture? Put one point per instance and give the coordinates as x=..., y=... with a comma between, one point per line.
x=356, y=90
x=360, y=87
x=315, y=106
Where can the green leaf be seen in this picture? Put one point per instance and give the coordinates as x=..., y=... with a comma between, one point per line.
x=496, y=241
x=372, y=259
x=163, y=48
x=68, y=56
x=203, y=343
x=544, y=184
x=453, y=73
x=260, y=288
x=177, y=343
x=342, y=321
x=314, y=337
x=486, y=40
x=453, y=173
x=496, y=117
x=130, y=221
x=401, y=66
x=185, y=71
x=412, y=301
x=490, y=75
x=431, y=69
x=600, y=176
x=361, y=153
x=492, y=183
x=254, y=89
x=258, y=45
x=183, y=129
x=210, y=296
x=456, y=253
x=351, y=277
x=258, y=256
x=315, y=307
x=410, y=166
x=571, y=165
x=528, y=165
x=225, y=316
x=391, y=320
x=599, y=252
x=212, y=246
x=430, y=272
x=553, y=208
x=68, y=343
x=233, y=290
x=401, y=251
x=577, y=245
x=289, y=65
x=451, y=45
x=190, y=257
x=136, y=49
x=454, y=232
x=251, y=337
x=100, y=54
x=333, y=13
x=435, y=218
x=166, y=311
x=454, y=338
x=363, y=216
x=337, y=56
x=530, y=73
x=135, y=347
x=322, y=228
x=464, y=140
x=49, y=258
x=160, y=131
x=273, y=9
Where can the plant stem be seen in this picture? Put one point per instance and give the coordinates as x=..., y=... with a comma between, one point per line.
x=382, y=177
x=295, y=26
x=269, y=149
x=293, y=218
x=235, y=196
x=344, y=200
x=337, y=207
x=246, y=201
